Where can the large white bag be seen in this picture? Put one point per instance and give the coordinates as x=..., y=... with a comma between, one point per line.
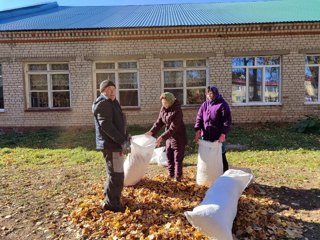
x=210, y=165
x=159, y=156
x=135, y=166
x=215, y=215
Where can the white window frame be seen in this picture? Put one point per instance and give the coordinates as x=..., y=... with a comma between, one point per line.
x=1, y=76
x=263, y=67
x=47, y=72
x=314, y=65
x=184, y=69
x=116, y=71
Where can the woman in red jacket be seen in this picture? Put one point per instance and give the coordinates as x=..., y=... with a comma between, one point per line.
x=175, y=134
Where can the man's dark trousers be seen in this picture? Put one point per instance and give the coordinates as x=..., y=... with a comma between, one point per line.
x=115, y=177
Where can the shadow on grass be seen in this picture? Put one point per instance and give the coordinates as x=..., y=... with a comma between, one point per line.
x=284, y=199
x=272, y=137
x=297, y=199
x=51, y=138
x=55, y=138
x=259, y=137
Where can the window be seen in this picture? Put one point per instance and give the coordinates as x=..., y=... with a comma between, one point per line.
x=256, y=80
x=124, y=75
x=1, y=90
x=48, y=85
x=186, y=79
x=311, y=79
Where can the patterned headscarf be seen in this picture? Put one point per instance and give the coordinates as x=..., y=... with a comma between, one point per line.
x=169, y=97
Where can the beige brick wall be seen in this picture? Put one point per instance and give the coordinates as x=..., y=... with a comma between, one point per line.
x=218, y=51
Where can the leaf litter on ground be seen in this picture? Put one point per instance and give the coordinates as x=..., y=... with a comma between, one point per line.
x=155, y=210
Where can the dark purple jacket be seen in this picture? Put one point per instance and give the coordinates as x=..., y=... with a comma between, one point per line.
x=175, y=129
x=213, y=118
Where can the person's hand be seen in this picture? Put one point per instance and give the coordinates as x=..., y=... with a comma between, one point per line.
x=126, y=147
x=197, y=136
x=158, y=141
x=148, y=133
x=222, y=138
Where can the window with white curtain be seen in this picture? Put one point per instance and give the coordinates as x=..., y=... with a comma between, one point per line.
x=186, y=79
x=48, y=85
x=125, y=76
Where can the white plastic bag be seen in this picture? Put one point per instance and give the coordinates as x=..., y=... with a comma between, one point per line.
x=159, y=157
x=215, y=215
x=135, y=166
x=210, y=165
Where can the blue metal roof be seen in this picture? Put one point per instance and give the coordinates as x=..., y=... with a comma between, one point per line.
x=51, y=16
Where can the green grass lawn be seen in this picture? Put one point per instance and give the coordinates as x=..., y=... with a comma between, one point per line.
x=275, y=154
x=43, y=171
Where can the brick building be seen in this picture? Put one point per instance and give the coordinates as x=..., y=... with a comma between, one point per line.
x=263, y=56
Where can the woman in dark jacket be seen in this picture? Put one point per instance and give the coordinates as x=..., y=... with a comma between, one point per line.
x=175, y=135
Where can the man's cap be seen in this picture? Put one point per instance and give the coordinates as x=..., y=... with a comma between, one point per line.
x=106, y=83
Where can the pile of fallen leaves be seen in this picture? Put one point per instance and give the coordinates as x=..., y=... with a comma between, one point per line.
x=155, y=210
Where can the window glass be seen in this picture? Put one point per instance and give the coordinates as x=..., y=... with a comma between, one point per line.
x=173, y=79
x=128, y=98
x=173, y=64
x=196, y=78
x=105, y=65
x=50, y=89
x=242, y=62
x=37, y=67
x=313, y=60
x=104, y=76
x=196, y=96
x=38, y=82
x=128, y=80
x=239, y=85
x=268, y=60
x=39, y=99
x=61, y=99
x=60, y=82
x=127, y=65
x=272, y=84
x=254, y=81
x=59, y=67
x=187, y=83
x=311, y=84
x=255, y=85
x=196, y=63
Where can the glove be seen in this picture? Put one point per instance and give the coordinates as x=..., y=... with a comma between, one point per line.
x=126, y=147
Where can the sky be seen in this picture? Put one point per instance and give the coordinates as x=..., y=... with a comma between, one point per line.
x=10, y=4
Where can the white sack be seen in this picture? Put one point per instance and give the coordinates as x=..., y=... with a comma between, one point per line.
x=159, y=156
x=135, y=166
x=215, y=215
x=210, y=165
